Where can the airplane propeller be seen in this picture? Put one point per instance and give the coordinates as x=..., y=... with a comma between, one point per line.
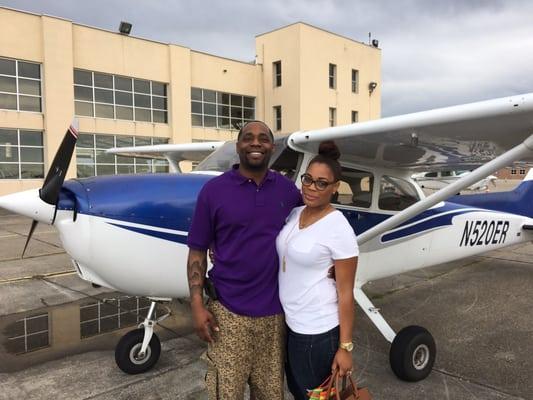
x=49, y=192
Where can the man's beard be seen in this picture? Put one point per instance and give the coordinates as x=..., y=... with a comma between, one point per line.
x=254, y=167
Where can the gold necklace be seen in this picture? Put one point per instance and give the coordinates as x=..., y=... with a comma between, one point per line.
x=288, y=238
x=304, y=225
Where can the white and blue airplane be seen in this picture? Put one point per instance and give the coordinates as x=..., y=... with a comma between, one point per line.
x=435, y=180
x=128, y=232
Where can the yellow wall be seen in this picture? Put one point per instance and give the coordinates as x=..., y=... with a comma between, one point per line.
x=305, y=53
x=61, y=46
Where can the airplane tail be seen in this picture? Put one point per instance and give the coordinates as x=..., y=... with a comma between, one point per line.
x=517, y=201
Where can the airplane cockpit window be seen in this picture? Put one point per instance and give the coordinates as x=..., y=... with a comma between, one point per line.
x=220, y=160
x=286, y=161
x=396, y=194
x=355, y=188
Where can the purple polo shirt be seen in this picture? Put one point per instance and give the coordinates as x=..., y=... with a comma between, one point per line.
x=241, y=220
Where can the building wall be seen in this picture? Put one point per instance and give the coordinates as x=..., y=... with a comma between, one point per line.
x=513, y=172
x=318, y=50
x=281, y=45
x=60, y=46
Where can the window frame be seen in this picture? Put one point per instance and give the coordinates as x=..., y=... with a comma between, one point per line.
x=17, y=92
x=332, y=76
x=138, y=166
x=332, y=116
x=235, y=104
x=19, y=161
x=276, y=70
x=278, y=118
x=355, y=80
x=135, y=97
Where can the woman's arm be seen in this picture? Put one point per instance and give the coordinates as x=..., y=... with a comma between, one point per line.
x=345, y=278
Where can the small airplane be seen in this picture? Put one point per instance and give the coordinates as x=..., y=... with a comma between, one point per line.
x=129, y=232
x=436, y=180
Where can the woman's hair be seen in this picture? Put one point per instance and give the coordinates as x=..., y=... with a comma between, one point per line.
x=328, y=153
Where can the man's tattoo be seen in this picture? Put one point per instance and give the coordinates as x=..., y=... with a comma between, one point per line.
x=196, y=274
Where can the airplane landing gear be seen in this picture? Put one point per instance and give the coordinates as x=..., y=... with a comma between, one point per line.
x=413, y=350
x=412, y=353
x=138, y=350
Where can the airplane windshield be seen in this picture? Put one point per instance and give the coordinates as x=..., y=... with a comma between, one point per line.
x=220, y=160
x=284, y=159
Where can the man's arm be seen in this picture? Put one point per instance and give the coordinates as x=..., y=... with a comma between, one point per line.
x=204, y=321
x=196, y=269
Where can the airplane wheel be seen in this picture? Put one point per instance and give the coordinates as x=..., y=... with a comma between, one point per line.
x=127, y=350
x=412, y=353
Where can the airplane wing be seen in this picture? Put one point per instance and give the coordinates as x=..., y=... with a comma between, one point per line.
x=174, y=153
x=459, y=137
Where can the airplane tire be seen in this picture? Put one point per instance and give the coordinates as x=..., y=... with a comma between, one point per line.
x=128, y=347
x=412, y=353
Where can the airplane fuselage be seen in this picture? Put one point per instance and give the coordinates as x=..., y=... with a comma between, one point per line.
x=129, y=233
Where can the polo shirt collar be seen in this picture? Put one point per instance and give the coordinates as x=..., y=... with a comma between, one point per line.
x=240, y=179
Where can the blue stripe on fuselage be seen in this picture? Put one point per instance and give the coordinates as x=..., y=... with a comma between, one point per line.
x=173, y=237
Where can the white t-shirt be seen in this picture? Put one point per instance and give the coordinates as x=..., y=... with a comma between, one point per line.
x=308, y=296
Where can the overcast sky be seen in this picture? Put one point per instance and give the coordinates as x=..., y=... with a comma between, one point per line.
x=434, y=53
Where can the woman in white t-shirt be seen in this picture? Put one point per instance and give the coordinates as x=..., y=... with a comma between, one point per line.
x=318, y=259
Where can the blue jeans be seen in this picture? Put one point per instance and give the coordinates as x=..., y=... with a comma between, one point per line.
x=309, y=359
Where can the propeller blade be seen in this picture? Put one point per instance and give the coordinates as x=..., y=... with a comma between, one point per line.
x=34, y=224
x=49, y=193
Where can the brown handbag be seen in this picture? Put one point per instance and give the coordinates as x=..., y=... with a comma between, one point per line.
x=349, y=392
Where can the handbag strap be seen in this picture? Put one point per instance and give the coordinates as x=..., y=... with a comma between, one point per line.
x=333, y=379
x=334, y=383
x=351, y=383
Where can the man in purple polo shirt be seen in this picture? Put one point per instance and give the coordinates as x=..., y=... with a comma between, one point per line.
x=239, y=214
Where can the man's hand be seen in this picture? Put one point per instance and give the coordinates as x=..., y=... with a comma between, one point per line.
x=204, y=322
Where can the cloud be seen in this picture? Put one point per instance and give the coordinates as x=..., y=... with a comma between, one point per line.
x=434, y=53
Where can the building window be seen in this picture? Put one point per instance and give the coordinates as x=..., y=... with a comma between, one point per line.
x=117, y=97
x=20, y=85
x=355, y=81
x=522, y=172
x=355, y=117
x=277, y=118
x=211, y=109
x=332, y=116
x=513, y=171
x=27, y=334
x=276, y=67
x=92, y=160
x=332, y=76
x=106, y=315
x=21, y=154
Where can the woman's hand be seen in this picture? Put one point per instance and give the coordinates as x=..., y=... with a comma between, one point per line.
x=342, y=362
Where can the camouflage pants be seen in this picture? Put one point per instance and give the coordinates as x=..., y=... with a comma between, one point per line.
x=246, y=350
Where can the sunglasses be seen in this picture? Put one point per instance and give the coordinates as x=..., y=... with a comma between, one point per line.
x=320, y=184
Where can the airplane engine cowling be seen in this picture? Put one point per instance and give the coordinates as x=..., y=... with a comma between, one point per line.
x=126, y=232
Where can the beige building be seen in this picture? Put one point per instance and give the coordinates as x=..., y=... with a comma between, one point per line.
x=131, y=91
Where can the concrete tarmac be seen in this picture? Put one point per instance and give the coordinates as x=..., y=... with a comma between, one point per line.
x=478, y=310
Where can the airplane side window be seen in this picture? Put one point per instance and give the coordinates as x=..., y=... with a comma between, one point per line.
x=396, y=194
x=447, y=173
x=355, y=188
x=431, y=175
x=288, y=163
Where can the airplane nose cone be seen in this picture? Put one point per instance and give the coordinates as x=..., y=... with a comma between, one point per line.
x=29, y=204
